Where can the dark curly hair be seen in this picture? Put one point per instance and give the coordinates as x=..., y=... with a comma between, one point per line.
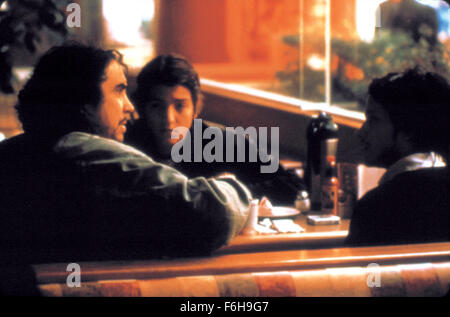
x=65, y=81
x=168, y=70
x=418, y=103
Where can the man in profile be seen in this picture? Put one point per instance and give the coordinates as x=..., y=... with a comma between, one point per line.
x=71, y=191
x=406, y=127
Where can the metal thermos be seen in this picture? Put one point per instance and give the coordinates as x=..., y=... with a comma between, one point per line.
x=322, y=138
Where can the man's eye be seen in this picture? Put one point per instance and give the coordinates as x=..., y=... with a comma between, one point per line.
x=121, y=88
x=180, y=106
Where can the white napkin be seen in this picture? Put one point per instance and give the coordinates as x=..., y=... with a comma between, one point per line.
x=286, y=225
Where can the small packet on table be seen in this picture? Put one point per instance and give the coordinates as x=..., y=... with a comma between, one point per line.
x=323, y=219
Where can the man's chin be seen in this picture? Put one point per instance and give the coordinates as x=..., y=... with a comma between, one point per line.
x=115, y=137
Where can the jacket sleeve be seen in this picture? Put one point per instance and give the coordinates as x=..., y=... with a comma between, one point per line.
x=149, y=207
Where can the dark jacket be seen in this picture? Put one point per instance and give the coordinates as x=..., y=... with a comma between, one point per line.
x=83, y=197
x=413, y=207
x=280, y=187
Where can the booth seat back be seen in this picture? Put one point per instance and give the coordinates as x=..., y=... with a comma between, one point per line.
x=429, y=279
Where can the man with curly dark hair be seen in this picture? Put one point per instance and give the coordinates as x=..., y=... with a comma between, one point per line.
x=406, y=128
x=70, y=190
x=67, y=93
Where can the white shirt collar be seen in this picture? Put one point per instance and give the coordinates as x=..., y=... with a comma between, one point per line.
x=412, y=162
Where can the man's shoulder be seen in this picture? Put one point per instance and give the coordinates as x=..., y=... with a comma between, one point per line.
x=413, y=179
x=409, y=188
x=14, y=140
x=23, y=146
x=79, y=143
x=12, y=147
x=434, y=176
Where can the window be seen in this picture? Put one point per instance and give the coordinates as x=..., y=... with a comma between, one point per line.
x=129, y=29
x=325, y=51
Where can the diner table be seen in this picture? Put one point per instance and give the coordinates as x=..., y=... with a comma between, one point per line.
x=313, y=236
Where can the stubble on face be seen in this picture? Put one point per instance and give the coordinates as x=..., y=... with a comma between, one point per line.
x=115, y=109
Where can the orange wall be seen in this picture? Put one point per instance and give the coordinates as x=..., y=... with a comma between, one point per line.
x=193, y=28
x=246, y=35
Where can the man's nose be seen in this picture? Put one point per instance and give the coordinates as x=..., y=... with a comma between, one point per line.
x=170, y=114
x=128, y=106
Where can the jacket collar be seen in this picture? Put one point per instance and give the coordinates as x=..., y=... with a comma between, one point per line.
x=412, y=162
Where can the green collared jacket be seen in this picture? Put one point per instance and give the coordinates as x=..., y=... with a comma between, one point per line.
x=84, y=197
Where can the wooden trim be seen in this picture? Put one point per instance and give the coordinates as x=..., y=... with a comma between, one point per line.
x=275, y=101
x=285, y=241
x=249, y=262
